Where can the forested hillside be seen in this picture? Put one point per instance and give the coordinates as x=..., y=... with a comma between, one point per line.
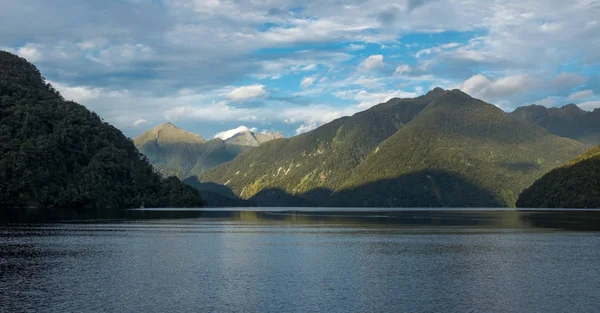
x=59, y=159
x=574, y=185
x=318, y=161
x=459, y=151
x=441, y=149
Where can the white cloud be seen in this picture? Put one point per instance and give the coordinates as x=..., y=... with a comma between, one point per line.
x=590, y=105
x=568, y=80
x=579, y=95
x=355, y=47
x=368, y=99
x=310, y=67
x=482, y=87
x=373, y=62
x=437, y=49
x=247, y=92
x=551, y=27
x=307, y=82
x=139, y=122
x=401, y=69
x=548, y=102
x=232, y=132
x=30, y=51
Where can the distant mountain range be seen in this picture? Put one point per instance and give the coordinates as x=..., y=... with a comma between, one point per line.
x=174, y=151
x=568, y=121
x=444, y=148
x=246, y=137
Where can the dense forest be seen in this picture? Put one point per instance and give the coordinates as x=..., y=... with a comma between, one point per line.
x=313, y=164
x=574, y=185
x=441, y=149
x=58, y=159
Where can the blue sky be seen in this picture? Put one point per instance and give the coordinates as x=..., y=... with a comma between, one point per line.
x=290, y=65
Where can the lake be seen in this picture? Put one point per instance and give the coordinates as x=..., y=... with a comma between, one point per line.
x=432, y=261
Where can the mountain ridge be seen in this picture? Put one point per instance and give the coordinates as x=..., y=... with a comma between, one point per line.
x=332, y=157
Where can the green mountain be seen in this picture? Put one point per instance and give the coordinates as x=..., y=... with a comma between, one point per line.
x=252, y=139
x=441, y=149
x=320, y=160
x=574, y=185
x=456, y=144
x=58, y=159
x=568, y=121
x=174, y=151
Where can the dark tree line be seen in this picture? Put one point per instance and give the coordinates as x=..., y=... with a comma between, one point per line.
x=56, y=155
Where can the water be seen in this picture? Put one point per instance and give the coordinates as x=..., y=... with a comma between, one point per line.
x=300, y=263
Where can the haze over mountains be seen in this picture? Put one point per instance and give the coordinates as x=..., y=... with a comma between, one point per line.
x=174, y=151
x=568, y=121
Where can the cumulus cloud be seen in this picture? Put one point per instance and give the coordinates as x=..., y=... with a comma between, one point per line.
x=232, y=132
x=367, y=99
x=247, y=92
x=31, y=52
x=567, y=80
x=179, y=57
x=589, y=105
x=548, y=102
x=579, y=95
x=307, y=82
x=401, y=69
x=490, y=90
x=373, y=62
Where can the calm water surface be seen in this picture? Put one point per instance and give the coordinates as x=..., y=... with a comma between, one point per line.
x=253, y=263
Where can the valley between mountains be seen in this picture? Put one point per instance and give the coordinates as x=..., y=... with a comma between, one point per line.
x=442, y=149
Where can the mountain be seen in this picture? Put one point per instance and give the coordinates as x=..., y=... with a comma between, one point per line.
x=58, y=159
x=568, y=121
x=574, y=185
x=174, y=151
x=321, y=159
x=252, y=139
x=441, y=149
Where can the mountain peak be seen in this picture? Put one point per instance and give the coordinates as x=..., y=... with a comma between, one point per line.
x=435, y=92
x=450, y=98
x=167, y=133
x=244, y=136
x=572, y=109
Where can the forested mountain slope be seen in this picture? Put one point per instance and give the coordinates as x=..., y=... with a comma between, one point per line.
x=456, y=146
x=441, y=149
x=59, y=159
x=574, y=185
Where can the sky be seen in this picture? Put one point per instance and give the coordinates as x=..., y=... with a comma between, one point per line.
x=209, y=66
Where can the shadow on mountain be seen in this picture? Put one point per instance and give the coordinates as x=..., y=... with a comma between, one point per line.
x=211, y=187
x=217, y=195
x=520, y=166
x=419, y=189
x=275, y=197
